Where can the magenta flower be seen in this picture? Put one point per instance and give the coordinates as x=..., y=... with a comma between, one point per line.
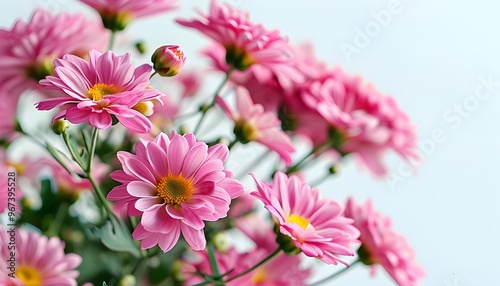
x=28, y=50
x=175, y=183
x=94, y=90
x=252, y=123
x=382, y=246
x=39, y=260
x=117, y=14
x=307, y=223
x=366, y=122
x=168, y=60
x=246, y=44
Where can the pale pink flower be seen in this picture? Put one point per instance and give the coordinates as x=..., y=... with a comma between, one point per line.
x=315, y=226
x=282, y=270
x=252, y=123
x=190, y=82
x=382, y=246
x=247, y=45
x=366, y=122
x=175, y=183
x=117, y=14
x=69, y=183
x=8, y=108
x=27, y=51
x=96, y=89
x=39, y=260
x=164, y=114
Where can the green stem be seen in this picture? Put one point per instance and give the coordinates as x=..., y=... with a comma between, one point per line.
x=334, y=274
x=93, y=145
x=232, y=143
x=112, y=40
x=217, y=91
x=213, y=265
x=297, y=166
x=153, y=74
x=266, y=259
x=55, y=226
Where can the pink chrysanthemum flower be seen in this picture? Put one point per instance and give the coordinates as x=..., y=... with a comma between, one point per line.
x=247, y=45
x=382, y=246
x=94, y=90
x=117, y=14
x=175, y=183
x=365, y=122
x=28, y=50
x=252, y=123
x=8, y=108
x=307, y=223
x=39, y=260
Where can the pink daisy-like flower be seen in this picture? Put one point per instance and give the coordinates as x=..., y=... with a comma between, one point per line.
x=38, y=260
x=8, y=108
x=252, y=123
x=247, y=45
x=28, y=50
x=94, y=90
x=366, y=122
x=175, y=183
x=382, y=246
x=117, y=14
x=307, y=223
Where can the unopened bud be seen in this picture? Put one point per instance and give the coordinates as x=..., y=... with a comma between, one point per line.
x=168, y=60
x=141, y=47
x=60, y=126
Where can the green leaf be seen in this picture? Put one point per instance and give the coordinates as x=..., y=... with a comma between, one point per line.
x=116, y=237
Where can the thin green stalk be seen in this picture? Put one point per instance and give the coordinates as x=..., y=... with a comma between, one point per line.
x=297, y=166
x=213, y=265
x=264, y=261
x=232, y=143
x=56, y=224
x=95, y=134
x=217, y=91
x=112, y=40
x=334, y=274
x=153, y=74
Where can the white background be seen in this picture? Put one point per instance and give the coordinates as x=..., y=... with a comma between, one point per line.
x=429, y=56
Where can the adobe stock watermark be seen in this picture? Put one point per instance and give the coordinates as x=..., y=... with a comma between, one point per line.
x=455, y=116
x=364, y=36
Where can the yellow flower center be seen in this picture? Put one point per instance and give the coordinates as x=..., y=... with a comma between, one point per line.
x=145, y=107
x=100, y=90
x=29, y=276
x=175, y=189
x=260, y=276
x=298, y=220
x=18, y=166
x=245, y=131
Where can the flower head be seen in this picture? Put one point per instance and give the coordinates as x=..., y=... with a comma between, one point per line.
x=382, y=246
x=175, y=183
x=246, y=44
x=39, y=260
x=307, y=223
x=168, y=60
x=28, y=50
x=365, y=122
x=117, y=14
x=94, y=90
x=252, y=123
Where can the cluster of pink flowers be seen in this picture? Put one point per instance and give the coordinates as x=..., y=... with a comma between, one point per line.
x=178, y=184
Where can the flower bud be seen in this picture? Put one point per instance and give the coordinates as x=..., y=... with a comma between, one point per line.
x=168, y=60
x=60, y=126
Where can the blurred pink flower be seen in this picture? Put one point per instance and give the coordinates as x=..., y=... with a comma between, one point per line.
x=39, y=260
x=175, y=184
x=93, y=91
x=247, y=45
x=382, y=246
x=252, y=123
x=164, y=114
x=366, y=122
x=8, y=120
x=28, y=50
x=190, y=82
x=315, y=226
x=282, y=270
x=117, y=14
